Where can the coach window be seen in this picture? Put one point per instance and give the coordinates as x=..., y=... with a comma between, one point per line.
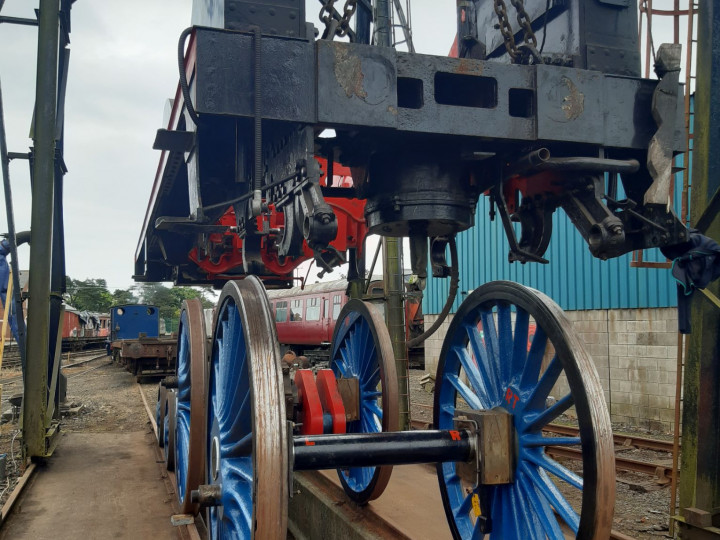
x=281, y=312
x=337, y=300
x=312, y=312
x=296, y=310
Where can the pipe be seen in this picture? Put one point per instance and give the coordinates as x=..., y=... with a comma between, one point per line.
x=13, y=238
x=454, y=284
x=317, y=452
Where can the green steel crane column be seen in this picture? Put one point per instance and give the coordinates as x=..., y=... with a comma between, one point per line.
x=395, y=318
x=392, y=257
x=700, y=468
x=35, y=396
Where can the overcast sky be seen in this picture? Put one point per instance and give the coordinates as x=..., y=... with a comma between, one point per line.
x=122, y=69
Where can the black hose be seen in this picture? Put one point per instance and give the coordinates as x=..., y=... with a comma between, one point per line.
x=183, y=76
x=454, y=284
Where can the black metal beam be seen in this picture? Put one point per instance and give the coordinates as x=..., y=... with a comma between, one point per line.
x=317, y=452
x=19, y=20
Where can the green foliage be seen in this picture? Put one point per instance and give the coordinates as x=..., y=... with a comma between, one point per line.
x=169, y=300
x=123, y=296
x=88, y=294
x=93, y=295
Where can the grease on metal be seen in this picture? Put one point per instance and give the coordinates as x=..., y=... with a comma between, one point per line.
x=574, y=102
x=349, y=73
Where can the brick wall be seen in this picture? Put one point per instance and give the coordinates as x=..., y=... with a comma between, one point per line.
x=635, y=353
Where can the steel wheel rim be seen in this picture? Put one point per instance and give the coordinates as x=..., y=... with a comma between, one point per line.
x=169, y=447
x=160, y=411
x=362, y=348
x=191, y=406
x=524, y=509
x=246, y=444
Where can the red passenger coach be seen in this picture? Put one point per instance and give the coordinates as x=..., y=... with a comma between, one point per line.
x=305, y=317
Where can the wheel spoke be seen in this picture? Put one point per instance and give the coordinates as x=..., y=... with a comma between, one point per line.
x=467, y=394
x=472, y=372
x=535, y=441
x=551, y=413
x=240, y=448
x=531, y=373
x=505, y=343
x=342, y=367
x=542, y=460
x=491, y=345
x=545, y=384
x=374, y=409
x=558, y=502
x=485, y=366
x=540, y=506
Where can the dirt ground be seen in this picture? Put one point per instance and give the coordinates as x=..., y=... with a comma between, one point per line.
x=105, y=399
x=101, y=398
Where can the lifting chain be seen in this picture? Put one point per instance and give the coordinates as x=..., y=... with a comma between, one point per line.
x=529, y=47
x=333, y=26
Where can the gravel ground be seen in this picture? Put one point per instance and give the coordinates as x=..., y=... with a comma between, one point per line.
x=104, y=398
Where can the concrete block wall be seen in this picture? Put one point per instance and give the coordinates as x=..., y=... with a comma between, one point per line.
x=635, y=354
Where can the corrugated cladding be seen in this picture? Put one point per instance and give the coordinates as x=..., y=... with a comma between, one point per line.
x=574, y=278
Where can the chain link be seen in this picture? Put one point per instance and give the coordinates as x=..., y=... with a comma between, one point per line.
x=333, y=27
x=524, y=20
x=348, y=12
x=529, y=47
x=506, y=29
x=326, y=12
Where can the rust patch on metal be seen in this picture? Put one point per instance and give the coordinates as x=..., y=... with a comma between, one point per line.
x=348, y=72
x=469, y=67
x=574, y=102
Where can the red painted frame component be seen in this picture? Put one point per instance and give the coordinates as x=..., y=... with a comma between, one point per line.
x=351, y=234
x=308, y=396
x=330, y=398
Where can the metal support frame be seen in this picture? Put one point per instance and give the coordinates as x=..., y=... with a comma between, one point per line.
x=395, y=319
x=700, y=470
x=5, y=163
x=36, y=379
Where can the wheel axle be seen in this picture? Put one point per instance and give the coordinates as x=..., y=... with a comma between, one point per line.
x=316, y=452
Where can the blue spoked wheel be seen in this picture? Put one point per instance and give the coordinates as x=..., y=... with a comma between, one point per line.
x=160, y=411
x=169, y=446
x=362, y=350
x=247, y=454
x=191, y=411
x=490, y=359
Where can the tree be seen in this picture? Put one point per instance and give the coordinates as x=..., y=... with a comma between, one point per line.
x=169, y=300
x=123, y=296
x=88, y=294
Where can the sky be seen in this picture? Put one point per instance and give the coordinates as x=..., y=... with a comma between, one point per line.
x=123, y=68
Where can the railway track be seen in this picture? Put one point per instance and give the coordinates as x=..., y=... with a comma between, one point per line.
x=620, y=439
x=93, y=356
x=661, y=471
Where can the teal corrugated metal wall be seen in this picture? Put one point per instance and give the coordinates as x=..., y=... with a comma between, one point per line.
x=574, y=278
